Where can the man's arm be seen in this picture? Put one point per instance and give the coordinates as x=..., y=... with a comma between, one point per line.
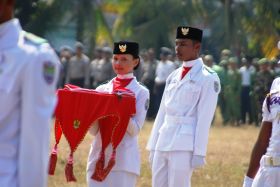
x=206, y=109
x=261, y=143
x=259, y=148
x=38, y=99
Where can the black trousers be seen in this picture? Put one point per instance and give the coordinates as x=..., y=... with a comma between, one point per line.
x=158, y=91
x=245, y=104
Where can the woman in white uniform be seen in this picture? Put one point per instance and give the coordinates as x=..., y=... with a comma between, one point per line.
x=127, y=166
x=264, y=167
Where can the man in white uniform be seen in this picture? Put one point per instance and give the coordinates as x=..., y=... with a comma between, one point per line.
x=28, y=76
x=179, y=138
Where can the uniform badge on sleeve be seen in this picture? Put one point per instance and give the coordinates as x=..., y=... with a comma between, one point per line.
x=216, y=86
x=147, y=104
x=48, y=72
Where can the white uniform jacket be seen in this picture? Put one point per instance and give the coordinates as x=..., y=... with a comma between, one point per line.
x=28, y=75
x=186, y=111
x=127, y=155
x=272, y=114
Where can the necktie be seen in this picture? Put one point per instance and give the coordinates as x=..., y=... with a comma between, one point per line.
x=185, y=71
x=120, y=83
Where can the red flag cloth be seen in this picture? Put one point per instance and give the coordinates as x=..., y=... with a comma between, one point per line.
x=185, y=71
x=78, y=108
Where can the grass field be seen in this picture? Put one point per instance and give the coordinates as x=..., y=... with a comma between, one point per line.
x=227, y=158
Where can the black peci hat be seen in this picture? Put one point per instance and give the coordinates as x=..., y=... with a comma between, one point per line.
x=184, y=32
x=125, y=47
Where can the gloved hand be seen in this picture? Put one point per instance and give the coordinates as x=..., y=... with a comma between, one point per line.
x=151, y=158
x=247, y=182
x=197, y=161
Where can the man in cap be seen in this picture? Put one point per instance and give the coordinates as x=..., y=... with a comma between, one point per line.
x=28, y=76
x=78, y=68
x=232, y=91
x=223, y=103
x=65, y=54
x=179, y=138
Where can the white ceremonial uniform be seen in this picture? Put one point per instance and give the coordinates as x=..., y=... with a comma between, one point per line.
x=28, y=76
x=181, y=127
x=127, y=167
x=268, y=174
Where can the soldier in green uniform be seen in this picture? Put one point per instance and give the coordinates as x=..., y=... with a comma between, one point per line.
x=275, y=67
x=232, y=92
x=222, y=102
x=261, y=85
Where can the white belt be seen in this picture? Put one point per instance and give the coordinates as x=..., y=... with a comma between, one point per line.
x=179, y=120
x=271, y=161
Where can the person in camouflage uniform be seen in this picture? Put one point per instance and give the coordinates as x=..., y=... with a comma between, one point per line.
x=261, y=82
x=232, y=92
x=275, y=67
x=223, y=80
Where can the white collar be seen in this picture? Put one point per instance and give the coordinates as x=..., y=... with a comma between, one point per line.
x=125, y=76
x=190, y=63
x=9, y=33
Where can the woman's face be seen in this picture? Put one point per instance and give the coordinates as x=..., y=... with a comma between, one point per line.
x=124, y=63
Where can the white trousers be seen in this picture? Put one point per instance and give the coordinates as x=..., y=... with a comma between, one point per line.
x=267, y=176
x=172, y=169
x=114, y=179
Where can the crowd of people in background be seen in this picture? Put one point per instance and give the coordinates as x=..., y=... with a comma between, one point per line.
x=245, y=81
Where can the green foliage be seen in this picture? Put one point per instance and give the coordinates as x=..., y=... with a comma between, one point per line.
x=263, y=27
x=251, y=27
x=152, y=23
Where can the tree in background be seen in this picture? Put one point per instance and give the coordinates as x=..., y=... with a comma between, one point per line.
x=263, y=27
x=153, y=23
x=245, y=26
x=25, y=10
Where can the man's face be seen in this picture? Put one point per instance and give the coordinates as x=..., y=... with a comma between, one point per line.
x=186, y=49
x=79, y=51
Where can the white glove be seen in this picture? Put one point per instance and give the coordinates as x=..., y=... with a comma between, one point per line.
x=247, y=181
x=151, y=158
x=197, y=161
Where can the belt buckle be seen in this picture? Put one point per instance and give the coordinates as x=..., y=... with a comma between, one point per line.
x=270, y=161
